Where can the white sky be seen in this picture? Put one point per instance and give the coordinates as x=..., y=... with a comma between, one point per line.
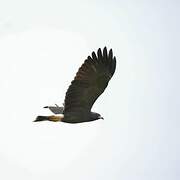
x=139, y=138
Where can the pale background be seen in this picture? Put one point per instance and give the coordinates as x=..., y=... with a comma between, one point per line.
x=42, y=44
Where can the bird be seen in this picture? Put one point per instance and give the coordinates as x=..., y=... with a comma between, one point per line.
x=89, y=83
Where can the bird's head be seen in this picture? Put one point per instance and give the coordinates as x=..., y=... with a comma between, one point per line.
x=100, y=117
x=95, y=116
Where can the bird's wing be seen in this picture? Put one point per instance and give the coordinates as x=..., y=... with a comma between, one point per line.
x=89, y=83
x=55, y=109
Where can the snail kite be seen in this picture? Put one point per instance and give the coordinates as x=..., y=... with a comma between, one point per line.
x=89, y=83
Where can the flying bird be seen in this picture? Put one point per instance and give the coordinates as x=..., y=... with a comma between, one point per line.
x=89, y=83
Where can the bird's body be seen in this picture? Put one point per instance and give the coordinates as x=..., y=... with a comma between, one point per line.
x=89, y=83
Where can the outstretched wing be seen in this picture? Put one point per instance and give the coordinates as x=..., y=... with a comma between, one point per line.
x=89, y=83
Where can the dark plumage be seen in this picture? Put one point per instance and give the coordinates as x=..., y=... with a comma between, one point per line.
x=89, y=83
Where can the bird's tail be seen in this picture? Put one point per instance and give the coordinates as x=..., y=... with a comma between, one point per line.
x=49, y=118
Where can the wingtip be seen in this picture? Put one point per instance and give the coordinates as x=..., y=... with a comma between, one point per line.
x=105, y=48
x=94, y=55
x=110, y=53
x=99, y=52
x=89, y=57
x=105, y=54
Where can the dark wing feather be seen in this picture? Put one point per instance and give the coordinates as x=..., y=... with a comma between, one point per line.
x=89, y=83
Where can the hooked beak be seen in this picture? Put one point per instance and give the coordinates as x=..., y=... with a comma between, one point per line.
x=101, y=118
